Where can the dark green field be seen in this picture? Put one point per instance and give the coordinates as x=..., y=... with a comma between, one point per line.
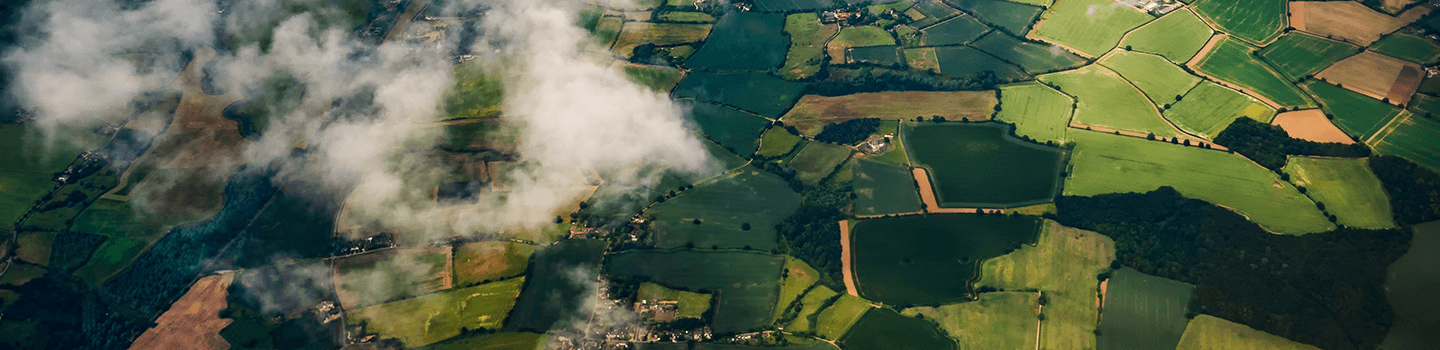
x=1233, y=61
x=1143, y=312
x=753, y=197
x=731, y=128
x=760, y=93
x=882, y=329
x=961, y=61
x=551, y=293
x=881, y=55
x=957, y=31
x=884, y=189
x=934, y=11
x=791, y=5
x=750, y=41
x=981, y=165
x=1298, y=54
x=1034, y=58
x=1410, y=289
x=931, y=259
x=1012, y=17
x=747, y=283
x=1354, y=113
x=1425, y=104
x=1408, y=47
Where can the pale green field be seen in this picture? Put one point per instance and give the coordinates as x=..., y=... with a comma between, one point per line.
x=1037, y=111
x=1208, y=108
x=777, y=142
x=799, y=276
x=1001, y=320
x=1106, y=163
x=1347, y=187
x=1062, y=264
x=689, y=304
x=1162, y=81
x=434, y=317
x=811, y=304
x=838, y=318
x=1207, y=332
x=1091, y=26
x=1178, y=36
x=807, y=44
x=1107, y=100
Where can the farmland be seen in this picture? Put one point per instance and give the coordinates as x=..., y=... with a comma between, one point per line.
x=606, y=30
x=1208, y=108
x=1311, y=125
x=661, y=34
x=1115, y=164
x=477, y=94
x=434, y=317
x=1409, y=289
x=724, y=207
x=931, y=11
x=25, y=173
x=886, y=329
x=192, y=320
x=1012, y=17
x=1159, y=79
x=1105, y=99
x=1232, y=62
x=807, y=44
x=1062, y=264
x=1142, y=312
x=743, y=41
x=1033, y=58
x=688, y=304
x=1177, y=36
x=810, y=306
x=1424, y=104
x=776, y=142
x=35, y=247
x=1347, y=20
x=1298, y=55
x=493, y=341
x=552, y=293
x=1016, y=173
x=658, y=78
x=897, y=258
x=480, y=262
x=1408, y=47
x=955, y=31
x=817, y=160
x=374, y=278
x=1357, y=114
x=1038, y=112
x=1375, y=75
x=879, y=55
x=884, y=189
x=856, y=37
x=734, y=129
x=1257, y=22
x=963, y=61
x=999, y=320
x=836, y=319
x=813, y=112
x=799, y=276
x=1347, y=188
x=790, y=5
x=760, y=93
x=1207, y=332
x=922, y=58
x=747, y=283
x=1413, y=138
x=1090, y=26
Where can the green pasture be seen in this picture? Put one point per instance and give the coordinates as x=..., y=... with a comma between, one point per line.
x=896, y=155
x=481, y=262
x=28, y=160
x=882, y=189
x=684, y=17
x=1011, y=16
x=1209, y=108
x=922, y=58
x=1163, y=81
x=1177, y=36
x=377, y=277
x=934, y=11
x=1032, y=57
x=553, y=293
x=606, y=30
x=882, y=329
x=477, y=93
x=1233, y=61
x=807, y=44
x=777, y=141
x=1206, y=332
x=1408, y=47
x=1256, y=21
x=931, y=259
x=1038, y=112
x=1090, y=26
x=791, y=5
x=878, y=55
x=658, y=78
x=813, y=112
x=660, y=34
x=760, y=93
x=434, y=317
x=1411, y=137
x=1410, y=289
x=1423, y=105
x=1347, y=188
x=749, y=41
x=747, y=283
x=1356, y=114
x=729, y=127
x=1105, y=99
x=1104, y=163
x=798, y=277
x=724, y=206
x=963, y=61
x=1062, y=264
x=1143, y=312
x=817, y=160
x=835, y=320
x=688, y=304
x=999, y=320
x=1299, y=55
x=810, y=305
x=981, y=165
x=956, y=31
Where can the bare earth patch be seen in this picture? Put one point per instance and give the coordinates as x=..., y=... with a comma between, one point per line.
x=193, y=322
x=1349, y=20
x=1374, y=74
x=1311, y=125
x=846, y=269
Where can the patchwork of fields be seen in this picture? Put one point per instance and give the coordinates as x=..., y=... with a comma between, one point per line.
x=1105, y=99
x=897, y=258
x=1091, y=27
x=1231, y=61
x=724, y=207
x=1346, y=187
x=748, y=283
x=1177, y=36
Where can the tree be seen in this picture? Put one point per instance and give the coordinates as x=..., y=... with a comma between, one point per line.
x=1150, y=137
x=697, y=221
x=745, y=226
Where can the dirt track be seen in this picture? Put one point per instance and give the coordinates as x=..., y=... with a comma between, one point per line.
x=193, y=322
x=927, y=195
x=846, y=269
x=1311, y=125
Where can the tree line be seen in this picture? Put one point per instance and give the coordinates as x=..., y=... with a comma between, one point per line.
x=1269, y=145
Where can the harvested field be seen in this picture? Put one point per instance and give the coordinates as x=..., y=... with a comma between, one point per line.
x=1408, y=47
x=1209, y=108
x=1105, y=99
x=193, y=322
x=1062, y=264
x=1298, y=55
x=1356, y=114
x=1089, y=26
x=998, y=320
x=1034, y=58
x=847, y=266
x=1207, y=332
x=1349, y=21
x=1311, y=125
x=481, y=262
x=1347, y=188
x=1256, y=21
x=1177, y=36
x=1376, y=75
x=1143, y=312
x=1038, y=111
x=813, y=112
x=1233, y=62
x=856, y=37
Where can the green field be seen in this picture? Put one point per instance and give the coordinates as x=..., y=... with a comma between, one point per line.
x=1410, y=290
x=1143, y=312
x=130, y=230
x=688, y=304
x=882, y=189
x=1038, y=112
x=749, y=41
x=1209, y=108
x=878, y=55
x=934, y=11
x=760, y=93
x=34, y=247
x=1356, y=114
x=1000, y=320
x=956, y=31
x=1090, y=26
x=860, y=36
x=684, y=17
x=963, y=61
x=479, y=262
x=791, y=5
x=1012, y=17
x=1207, y=332
x=1033, y=58
x=1106, y=163
x=553, y=293
x=606, y=30
x=747, y=283
x=981, y=165
x=729, y=127
x=1257, y=21
x=1347, y=188
x=931, y=259
x=1298, y=55
x=377, y=277
x=1062, y=264
x=434, y=317
x=1162, y=81
x=883, y=329
x=1231, y=60
x=896, y=155
x=28, y=159
x=477, y=93
x=1414, y=138
x=493, y=341
x=817, y=160
x=777, y=141
x=1106, y=100
x=810, y=306
x=799, y=276
x=1408, y=47
x=658, y=78
x=835, y=320
x=1424, y=104
x=807, y=44
x=1177, y=36
x=751, y=196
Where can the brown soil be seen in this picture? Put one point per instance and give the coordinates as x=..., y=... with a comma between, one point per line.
x=846, y=270
x=1205, y=50
x=1100, y=299
x=1297, y=12
x=1372, y=74
x=193, y=322
x=1311, y=125
x=1349, y=21
x=1405, y=85
x=1394, y=6
x=813, y=112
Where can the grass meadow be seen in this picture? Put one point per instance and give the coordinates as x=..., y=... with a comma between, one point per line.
x=882, y=189
x=836, y=319
x=981, y=165
x=931, y=259
x=688, y=304
x=932, y=11
x=1038, y=112
x=759, y=93
x=964, y=61
x=1162, y=81
x=1256, y=21
x=807, y=44
x=1412, y=137
x=1347, y=188
x=661, y=34
x=724, y=206
x=1177, y=36
x=749, y=41
x=747, y=283
x=878, y=55
x=1032, y=57
x=478, y=262
x=777, y=141
x=1143, y=312
x=658, y=78
x=1090, y=26
x=1298, y=55
x=798, y=278
x=734, y=129
x=434, y=317
x=1105, y=99
x=817, y=160
x=1062, y=263
x=1231, y=61
x=1356, y=114
x=1408, y=47
x=999, y=320
x=886, y=329
x=1206, y=332
x=810, y=306
x=1208, y=108
x=955, y=31
x=1012, y=17
x=860, y=36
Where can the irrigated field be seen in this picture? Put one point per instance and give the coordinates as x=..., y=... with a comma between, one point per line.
x=856, y=37
x=553, y=293
x=1062, y=264
x=1177, y=36
x=883, y=329
x=752, y=196
x=813, y=112
x=1347, y=188
x=1357, y=114
x=1105, y=99
x=1090, y=26
x=807, y=44
x=661, y=34
x=1408, y=47
x=964, y=61
x=1298, y=55
x=1034, y=58
x=1348, y=20
x=1162, y=81
x=1412, y=137
x=776, y=142
x=1410, y=289
x=760, y=93
x=747, y=283
x=1038, y=112
x=980, y=165
x=817, y=160
x=1231, y=61
x=1208, y=108
x=480, y=262
x=1012, y=17
x=729, y=127
x=998, y=320
x=956, y=31
x=1256, y=21
x=1106, y=163
x=743, y=41
x=1376, y=75
x=434, y=317
x=1142, y=312
x=1207, y=332
x=882, y=189
x=931, y=259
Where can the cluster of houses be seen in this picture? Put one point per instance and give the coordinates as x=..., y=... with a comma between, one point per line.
x=1157, y=7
